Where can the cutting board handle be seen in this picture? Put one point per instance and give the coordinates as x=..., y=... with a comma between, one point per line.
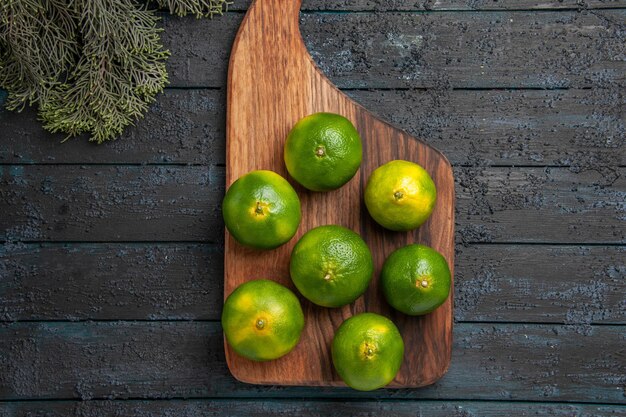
x=279, y=19
x=287, y=11
x=272, y=83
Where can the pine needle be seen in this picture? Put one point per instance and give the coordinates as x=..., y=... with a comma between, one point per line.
x=120, y=69
x=199, y=8
x=92, y=66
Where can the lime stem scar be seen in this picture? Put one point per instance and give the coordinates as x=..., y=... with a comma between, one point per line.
x=320, y=151
x=259, y=209
x=260, y=324
x=398, y=195
x=327, y=277
x=424, y=283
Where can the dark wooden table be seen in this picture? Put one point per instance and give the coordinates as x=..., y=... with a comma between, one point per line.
x=111, y=262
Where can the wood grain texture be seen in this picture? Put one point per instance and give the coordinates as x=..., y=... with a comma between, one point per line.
x=540, y=202
x=178, y=203
x=565, y=49
x=173, y=281
x=573, y=285
x=186, y=360
x=425, y=5
x=127, y=281
x=262, y=106
x=181, y=127
x=508, y=49
x=512, y=367
x=108, y=203
x=577, y=128
x=580, y=128
x=289, y=408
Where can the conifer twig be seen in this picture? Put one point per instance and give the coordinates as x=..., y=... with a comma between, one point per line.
x=92, y=66
x=199, y=8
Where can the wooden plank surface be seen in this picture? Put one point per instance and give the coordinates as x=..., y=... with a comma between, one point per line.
x=425, y=5
x=371, y=50
x=540, y=205
x=183, y=126
x=582, y=128
x=111, y=281
x=562, y=284
x=579, y=128
x=104, y=203
x=289, y=408
x=574, y=285
x=174, y=203
x=166, y=359
x=550, y=50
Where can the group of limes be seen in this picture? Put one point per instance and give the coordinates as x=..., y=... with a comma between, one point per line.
x=330, y=265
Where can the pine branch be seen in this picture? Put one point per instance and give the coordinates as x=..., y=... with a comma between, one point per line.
x=37, y=45
x=120, y=70
x=92, y=66
x=199, y=8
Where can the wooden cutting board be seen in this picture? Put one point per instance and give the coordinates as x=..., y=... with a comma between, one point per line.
x=272, y=83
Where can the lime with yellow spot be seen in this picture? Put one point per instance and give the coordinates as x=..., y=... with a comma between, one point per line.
x=261, y=210
x=415, y=279
x=323, y=151
x=367, y=351
x=331, y=266
x=400, y=195
x=262, y=320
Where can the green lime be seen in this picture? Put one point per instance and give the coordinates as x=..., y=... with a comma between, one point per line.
x=323, y=151
x=400, y=195
x=262, y=320
x=415, y=279
x=367, y=351
x=331, y=266
x=261, y=210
